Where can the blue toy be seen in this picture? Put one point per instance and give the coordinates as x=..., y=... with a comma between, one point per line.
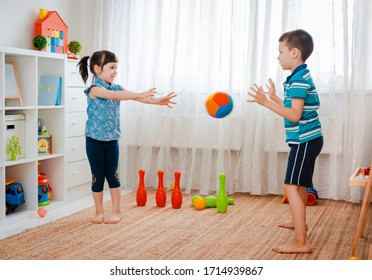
x=14, y=196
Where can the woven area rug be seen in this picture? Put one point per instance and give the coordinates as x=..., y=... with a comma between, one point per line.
x=247, y=231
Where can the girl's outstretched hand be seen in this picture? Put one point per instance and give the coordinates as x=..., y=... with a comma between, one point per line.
x=167, y=100
x=149, y=93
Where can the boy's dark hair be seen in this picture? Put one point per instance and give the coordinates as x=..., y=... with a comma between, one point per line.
x=299, y=39
x=100, y=58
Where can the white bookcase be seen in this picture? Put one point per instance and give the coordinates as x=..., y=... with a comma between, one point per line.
x=30, y=66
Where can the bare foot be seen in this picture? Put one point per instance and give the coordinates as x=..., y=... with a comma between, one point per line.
x=287, y=225
x=293, y=248
x=97, y=219
x=113, y=219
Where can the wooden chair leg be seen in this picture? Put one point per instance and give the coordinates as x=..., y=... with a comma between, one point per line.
x=368, y=201
x=362, y=218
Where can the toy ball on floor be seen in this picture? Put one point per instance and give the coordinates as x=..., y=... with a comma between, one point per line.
x=194, y=197
x=199, y=203
x=41, y=212
x=219, y=104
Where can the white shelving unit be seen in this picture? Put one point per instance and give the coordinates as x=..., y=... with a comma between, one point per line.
x=78, y=175
x=30, y=66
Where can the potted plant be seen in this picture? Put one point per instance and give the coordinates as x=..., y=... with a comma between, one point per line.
x=39, y=42
x=74, y=47
x=14, y=147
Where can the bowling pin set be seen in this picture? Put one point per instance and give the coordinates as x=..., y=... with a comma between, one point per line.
x=221, y=201
x=161, y=194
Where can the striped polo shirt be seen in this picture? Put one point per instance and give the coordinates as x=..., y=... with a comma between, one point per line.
x=300, y=85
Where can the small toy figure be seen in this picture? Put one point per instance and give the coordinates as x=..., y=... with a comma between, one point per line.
x=41, y=129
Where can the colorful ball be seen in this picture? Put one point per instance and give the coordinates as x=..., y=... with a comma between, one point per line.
x=219, y=104
x=199, y=203
x=41, y=212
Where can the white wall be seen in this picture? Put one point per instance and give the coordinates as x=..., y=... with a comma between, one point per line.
x=18, y=17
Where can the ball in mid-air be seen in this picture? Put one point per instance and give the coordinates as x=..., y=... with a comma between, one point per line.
x=219, y=104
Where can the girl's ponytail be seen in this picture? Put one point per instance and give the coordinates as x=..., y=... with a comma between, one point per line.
x=83, y=68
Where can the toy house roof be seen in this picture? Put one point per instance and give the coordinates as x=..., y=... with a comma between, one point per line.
x=51, y=15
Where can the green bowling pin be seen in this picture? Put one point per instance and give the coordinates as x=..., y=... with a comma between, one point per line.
x=210, y=201
x=222, y=200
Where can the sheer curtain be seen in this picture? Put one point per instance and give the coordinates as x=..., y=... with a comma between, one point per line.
x=199, y=47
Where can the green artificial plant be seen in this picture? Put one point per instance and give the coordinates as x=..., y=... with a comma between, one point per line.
x=39, y=42
x=14, y=147
x=74, y=47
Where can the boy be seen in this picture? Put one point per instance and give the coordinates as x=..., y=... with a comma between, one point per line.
x=302, y=127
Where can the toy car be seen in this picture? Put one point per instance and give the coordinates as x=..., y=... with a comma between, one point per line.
x=312, y=196
x=14, y=196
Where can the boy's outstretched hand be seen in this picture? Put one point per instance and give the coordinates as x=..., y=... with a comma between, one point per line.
x=259, y=95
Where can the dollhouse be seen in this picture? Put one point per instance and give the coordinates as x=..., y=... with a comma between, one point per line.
x=53, y=28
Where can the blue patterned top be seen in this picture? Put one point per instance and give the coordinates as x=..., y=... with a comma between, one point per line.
x=300, y=85
x=103, y=122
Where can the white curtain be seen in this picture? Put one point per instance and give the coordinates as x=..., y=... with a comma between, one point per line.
x=198, y=47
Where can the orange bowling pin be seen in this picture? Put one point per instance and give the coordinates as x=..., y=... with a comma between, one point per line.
x=141, y=196
x=176, y=193
x=161, y=195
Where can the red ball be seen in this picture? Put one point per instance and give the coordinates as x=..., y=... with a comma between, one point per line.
x=42, y=212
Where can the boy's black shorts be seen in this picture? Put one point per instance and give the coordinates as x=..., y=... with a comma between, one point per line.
x=301, y=162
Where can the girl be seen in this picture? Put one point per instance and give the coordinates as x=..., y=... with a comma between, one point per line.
x=103, y=127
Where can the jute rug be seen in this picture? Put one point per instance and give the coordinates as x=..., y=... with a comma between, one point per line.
x=247, y=231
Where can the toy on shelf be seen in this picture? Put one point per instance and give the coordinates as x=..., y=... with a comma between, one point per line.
x=13, y=147
x=74, y=47
x=45, y=140
x=44, y=188
x=14, y=195
x=42, y=212
x=39, y=42
x=54, y=29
